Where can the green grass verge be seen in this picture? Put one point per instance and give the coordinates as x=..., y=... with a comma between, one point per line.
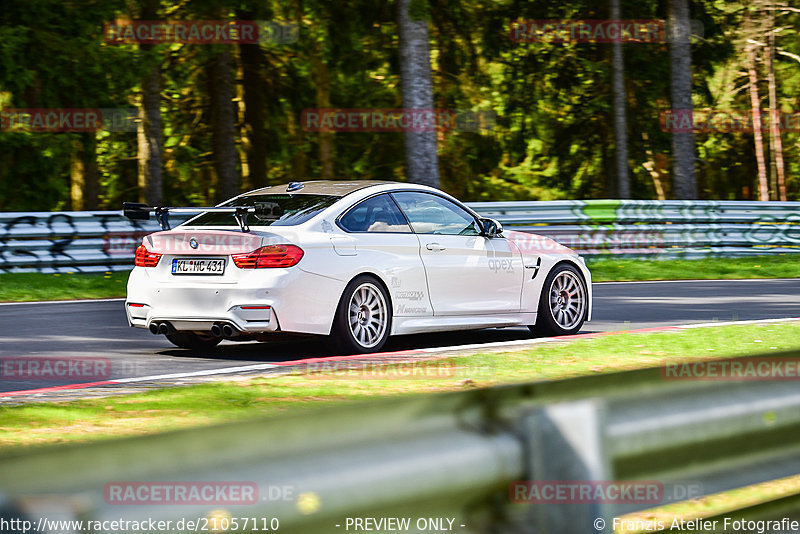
x=173, y=408
x=776, y=266
x=169, y=409
x=25, y=287
x=724, y=503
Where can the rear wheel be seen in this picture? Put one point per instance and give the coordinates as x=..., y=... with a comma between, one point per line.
x=363, y=318
x=189, y=340
x=563, y=304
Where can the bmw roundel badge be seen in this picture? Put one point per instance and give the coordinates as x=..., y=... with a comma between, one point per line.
x=193, y=243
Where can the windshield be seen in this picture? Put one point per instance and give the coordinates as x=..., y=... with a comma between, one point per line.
x=271, y=210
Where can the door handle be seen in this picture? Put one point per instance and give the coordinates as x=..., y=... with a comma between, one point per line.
x=434, y=246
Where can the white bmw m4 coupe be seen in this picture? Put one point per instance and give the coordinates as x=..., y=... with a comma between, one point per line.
x=354, y=261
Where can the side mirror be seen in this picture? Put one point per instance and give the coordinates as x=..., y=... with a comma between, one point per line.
x=135, y=211
x=491, y=228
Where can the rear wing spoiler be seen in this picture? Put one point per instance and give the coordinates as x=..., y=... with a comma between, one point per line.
x=141, y=212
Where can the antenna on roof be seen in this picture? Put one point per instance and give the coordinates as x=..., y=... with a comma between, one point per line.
x=294, y=186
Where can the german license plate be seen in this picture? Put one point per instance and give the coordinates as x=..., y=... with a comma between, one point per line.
x=208, y=266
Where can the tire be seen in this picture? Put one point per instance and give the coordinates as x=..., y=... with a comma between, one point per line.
x=563, y=304
x=363, y=318
x=188, y=340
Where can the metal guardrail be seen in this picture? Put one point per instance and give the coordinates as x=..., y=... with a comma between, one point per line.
x=455, y=455
x=657, y=229
x=104, y=240
x=81, y=241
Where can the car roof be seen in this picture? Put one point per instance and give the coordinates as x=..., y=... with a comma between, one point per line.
x=321, y=187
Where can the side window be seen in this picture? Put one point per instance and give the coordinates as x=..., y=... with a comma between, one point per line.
x=432, y=214
x=376, y=214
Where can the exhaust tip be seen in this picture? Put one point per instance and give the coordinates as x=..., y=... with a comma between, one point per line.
x=163, y=328
x=227, y=330
x=153, y=328
x=216, y=331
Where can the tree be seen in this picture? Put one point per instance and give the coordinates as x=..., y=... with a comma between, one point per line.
x=223, y=124
x=422, y=162
x=755, y=106
x=84, y=187
x=554, y=101
x=149, y=131
x=758, y=136
x=322, y=77
x=776, y=143
x=683, y=149
x=254, y=135
x=620, y=122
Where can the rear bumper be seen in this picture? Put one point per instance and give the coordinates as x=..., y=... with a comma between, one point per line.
x=260, y=301
x=248, y=321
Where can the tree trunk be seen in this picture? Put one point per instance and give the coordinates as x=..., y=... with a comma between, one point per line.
x=245, y=144
x=254, y=136
x=84, y=183
x=91, y=180
x=620, y=120
x=763, y=184
x=683, y=149
x=149, y=131
x=322, y=81
x=652, y=167
x=297, y=162
x=223, y=121
x=422, y=163
x=776, y=143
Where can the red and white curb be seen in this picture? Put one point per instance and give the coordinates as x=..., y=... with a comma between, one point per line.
x=517, y=344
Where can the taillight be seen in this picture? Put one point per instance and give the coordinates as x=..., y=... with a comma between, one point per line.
x=145, y=258
x=268, y=257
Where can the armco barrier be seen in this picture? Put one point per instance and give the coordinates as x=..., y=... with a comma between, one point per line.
x=657, y=229
x=82, y=241
x=105, y=240
x=459, y=456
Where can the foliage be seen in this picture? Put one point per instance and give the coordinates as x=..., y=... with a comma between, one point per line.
x=553, y=137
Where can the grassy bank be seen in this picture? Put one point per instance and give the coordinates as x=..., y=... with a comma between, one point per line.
x=24, y=287
x=777, y=266
x=167, y=409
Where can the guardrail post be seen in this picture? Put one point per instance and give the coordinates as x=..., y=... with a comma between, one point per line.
x=565, y=443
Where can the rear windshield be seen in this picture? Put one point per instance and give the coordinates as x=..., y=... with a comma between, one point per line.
x=277, y=210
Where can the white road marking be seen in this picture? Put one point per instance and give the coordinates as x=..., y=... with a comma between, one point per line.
x=699, y=280
x=208, y=372
x=120, y=299
x=730, y=323
x=434, y=350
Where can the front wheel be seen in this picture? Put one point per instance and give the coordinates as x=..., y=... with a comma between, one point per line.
x=563, y=304
x=188, y=340
x=363, y=318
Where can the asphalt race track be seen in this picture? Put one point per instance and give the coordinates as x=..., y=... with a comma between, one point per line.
x=97, y=329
